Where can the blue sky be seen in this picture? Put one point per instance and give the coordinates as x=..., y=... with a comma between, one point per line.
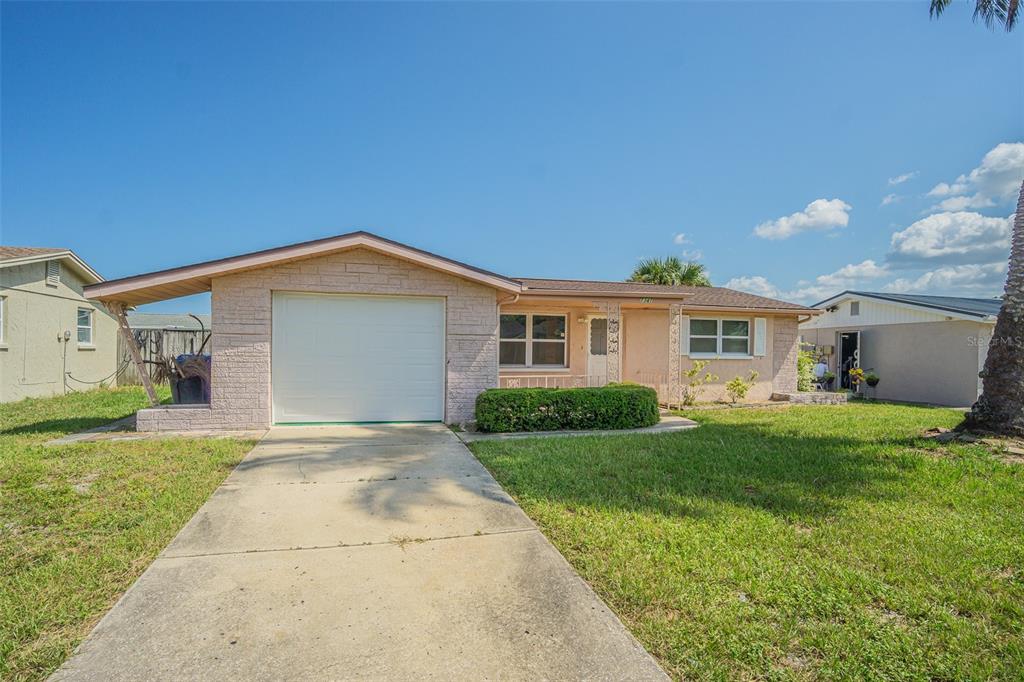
x=552, y=140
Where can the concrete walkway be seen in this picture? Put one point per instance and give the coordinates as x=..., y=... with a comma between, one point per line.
x=384, y=552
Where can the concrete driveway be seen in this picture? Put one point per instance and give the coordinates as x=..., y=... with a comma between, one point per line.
x=381, y=552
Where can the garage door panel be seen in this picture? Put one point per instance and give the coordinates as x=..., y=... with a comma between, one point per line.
x=357, y=358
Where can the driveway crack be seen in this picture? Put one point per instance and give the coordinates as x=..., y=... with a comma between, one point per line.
x=396, y=541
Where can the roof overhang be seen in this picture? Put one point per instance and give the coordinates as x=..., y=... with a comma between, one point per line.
x=198, y=278
x=935, y=310
x=67, y=256
x=662, y=301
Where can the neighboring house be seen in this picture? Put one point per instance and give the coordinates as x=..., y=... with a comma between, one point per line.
x=361, y=328
x=167, y=321
x=52, y=339
x=925, y=349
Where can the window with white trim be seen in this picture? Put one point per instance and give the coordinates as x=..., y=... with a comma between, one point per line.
x=532, y=340
x=719, y=337
x=85, y=326
x=3, y=319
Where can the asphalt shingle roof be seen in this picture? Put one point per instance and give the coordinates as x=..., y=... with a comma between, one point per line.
x=708, y=297
x=12, y=252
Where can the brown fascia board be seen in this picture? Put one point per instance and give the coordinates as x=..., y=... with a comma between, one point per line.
x=112, y=289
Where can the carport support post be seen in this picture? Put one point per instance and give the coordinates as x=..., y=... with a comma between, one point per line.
x=133, y=348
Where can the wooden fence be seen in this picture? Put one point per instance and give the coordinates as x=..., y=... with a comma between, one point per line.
x=156, y=344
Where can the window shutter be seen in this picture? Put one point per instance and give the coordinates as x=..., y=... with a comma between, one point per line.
x=53, y=272
x=760, y=336
x=684, y=334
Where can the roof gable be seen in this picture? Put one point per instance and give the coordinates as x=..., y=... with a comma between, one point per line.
x=13, y=256
x=197, y=278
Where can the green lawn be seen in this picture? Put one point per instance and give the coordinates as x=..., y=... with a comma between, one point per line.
x=79, y=523
x=800, y=543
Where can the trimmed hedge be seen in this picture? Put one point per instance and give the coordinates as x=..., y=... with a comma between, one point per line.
x=616, y=406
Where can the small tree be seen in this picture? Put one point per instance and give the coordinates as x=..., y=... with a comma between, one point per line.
x=695, y=382
x=738, y=387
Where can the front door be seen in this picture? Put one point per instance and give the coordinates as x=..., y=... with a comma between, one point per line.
x=849, y=357
x=597, y=351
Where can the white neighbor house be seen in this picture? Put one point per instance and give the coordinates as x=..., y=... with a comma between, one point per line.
x=925, y=349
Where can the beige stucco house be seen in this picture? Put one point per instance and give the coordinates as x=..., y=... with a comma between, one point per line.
x=52, y=339
x=361, y=328
x=925, y=349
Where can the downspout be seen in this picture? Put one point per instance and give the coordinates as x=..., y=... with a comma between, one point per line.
x=512, y=299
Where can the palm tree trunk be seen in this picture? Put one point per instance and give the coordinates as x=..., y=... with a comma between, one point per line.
x=1001, y=406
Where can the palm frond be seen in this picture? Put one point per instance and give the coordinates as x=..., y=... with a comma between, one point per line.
x=938, y=7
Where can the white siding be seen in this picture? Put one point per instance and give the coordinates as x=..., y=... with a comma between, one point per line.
x=872, y=312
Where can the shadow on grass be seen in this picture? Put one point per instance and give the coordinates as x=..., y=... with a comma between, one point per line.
x=805, y=477
x=59, y=427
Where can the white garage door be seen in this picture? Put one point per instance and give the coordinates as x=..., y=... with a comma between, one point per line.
x=340, y=358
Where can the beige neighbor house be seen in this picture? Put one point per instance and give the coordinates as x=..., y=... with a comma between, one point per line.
x=925, y=349
x=357, y=328
x=52, y=339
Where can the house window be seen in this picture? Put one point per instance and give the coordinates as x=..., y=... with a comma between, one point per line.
x=3, y=319
x=723, y=337
x=84, y=327
x=854, y=308
x=532, y=340
x=52, y=273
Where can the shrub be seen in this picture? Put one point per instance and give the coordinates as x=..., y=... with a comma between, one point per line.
x=805, y=371
x=695, y=382
x=738, y=386
x=616, y=406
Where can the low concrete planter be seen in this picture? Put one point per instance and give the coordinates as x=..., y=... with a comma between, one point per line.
x=812, y=398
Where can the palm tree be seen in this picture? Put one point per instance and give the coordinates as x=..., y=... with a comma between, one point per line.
x=1001, y=406
x=670, y=271
x=992, y=12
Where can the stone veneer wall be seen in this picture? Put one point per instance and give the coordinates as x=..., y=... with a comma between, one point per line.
x=241, y=393
x=785, y=346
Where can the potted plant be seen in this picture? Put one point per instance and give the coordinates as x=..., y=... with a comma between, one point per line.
x=827, y=378
x=872, y=379
x=856, y=379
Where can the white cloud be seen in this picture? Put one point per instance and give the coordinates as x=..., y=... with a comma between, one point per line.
x=953, y=237
x=820, y=214
x=695, y=254
x=900, y=179
x=890, y=199
x=995, y=181
x=977, y=280
x=680, y=238
x=810, y=291
x=753, y=285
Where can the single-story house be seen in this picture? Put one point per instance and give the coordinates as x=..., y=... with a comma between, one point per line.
x=52, y=338
x=925, y=349
x=358, y=328
x=168, y=321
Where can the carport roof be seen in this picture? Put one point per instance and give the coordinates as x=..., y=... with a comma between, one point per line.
x=197, y=278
